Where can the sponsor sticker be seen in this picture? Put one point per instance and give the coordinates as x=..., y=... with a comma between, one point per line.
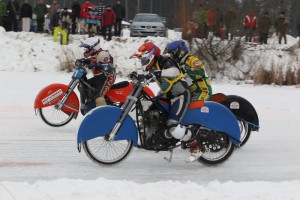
x=234, y=105
x=204, y=109
x=52, y=96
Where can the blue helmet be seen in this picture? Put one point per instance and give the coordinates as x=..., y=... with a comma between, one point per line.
x=177, y=50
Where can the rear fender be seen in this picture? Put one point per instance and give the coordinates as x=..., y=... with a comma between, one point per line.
x=214, y=116
x=242, y=109
x=52, y=94
x=100, y=121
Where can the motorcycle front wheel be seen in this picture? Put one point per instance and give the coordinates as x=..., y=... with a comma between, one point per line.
x=54, y=117
x=104, y=152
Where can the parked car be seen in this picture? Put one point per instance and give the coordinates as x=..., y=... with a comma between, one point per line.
x=147, y=24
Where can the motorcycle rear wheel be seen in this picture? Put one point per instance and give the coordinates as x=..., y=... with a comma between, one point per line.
x=54, y=117
x=213, y=157
x=105, y=152
x=245, y=132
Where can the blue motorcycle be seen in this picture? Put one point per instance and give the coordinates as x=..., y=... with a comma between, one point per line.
x=107, y=134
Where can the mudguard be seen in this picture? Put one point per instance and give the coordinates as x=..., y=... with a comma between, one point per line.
x=100, y=121
x=52, y=94
x=214, y=116
x=242, y=109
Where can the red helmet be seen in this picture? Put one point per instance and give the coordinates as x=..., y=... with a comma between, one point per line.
x=146, y=53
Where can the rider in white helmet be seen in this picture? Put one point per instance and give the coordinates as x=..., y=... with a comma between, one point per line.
x=101, y=62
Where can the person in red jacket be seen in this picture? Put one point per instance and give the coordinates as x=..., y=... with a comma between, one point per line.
x=85, y=14
x=108, y=20
x=250, y=24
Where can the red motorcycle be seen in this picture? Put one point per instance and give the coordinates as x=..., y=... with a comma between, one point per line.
x=58, y=104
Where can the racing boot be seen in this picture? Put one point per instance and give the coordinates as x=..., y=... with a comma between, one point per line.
x=195, y=152
x=179, y=132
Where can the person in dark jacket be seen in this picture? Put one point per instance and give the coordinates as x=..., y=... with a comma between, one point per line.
x=108, y=20
x=264, y=26
x=75, y=15
x=281, y=25
x=100, y=9
x=120, y=14
x=26, y=15
x=2, y=12
x=230, y=18
x=13, y=10
x=40, y=11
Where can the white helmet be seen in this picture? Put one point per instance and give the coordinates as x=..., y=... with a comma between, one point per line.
x=103, y=57
x=91, y=45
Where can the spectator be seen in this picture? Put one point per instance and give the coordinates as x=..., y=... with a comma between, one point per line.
x=75, y=15
x=52, y=11
x=202, y=26
x=281, y=25
x=108, y=20
x=2, y=12
x=120, y=14
x=264, y=26
x=211, y=21
x=92, y=21
x=13, y=10
x=220, y=29
x=100, y=9
x=190, y=30
x=250, y=24
x=230, y=18
x=41, y=11
x=84, y=13
x=26, y=15
x=61, y=22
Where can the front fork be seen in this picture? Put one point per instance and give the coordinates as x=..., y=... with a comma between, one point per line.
x=130, y=101
x=72, y=85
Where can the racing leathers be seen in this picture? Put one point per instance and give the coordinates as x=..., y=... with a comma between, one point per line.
x=196, y=77
x=174, y=89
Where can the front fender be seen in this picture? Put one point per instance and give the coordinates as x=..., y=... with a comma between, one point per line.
x=214, y=116
x=52, y=94
x=100, y=121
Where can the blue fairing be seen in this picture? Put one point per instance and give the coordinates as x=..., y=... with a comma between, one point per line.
x=214, y=116
x=102, y=120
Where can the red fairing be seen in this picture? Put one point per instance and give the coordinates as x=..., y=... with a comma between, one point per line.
x=120, y=94
x=52, y=94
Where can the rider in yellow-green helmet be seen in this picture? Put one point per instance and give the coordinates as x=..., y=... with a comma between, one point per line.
x=198, y=82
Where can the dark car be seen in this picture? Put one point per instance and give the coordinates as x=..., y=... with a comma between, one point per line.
x=147, y=24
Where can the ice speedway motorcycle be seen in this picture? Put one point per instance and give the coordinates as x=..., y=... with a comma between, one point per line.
x=57, y=104
x=108, y=133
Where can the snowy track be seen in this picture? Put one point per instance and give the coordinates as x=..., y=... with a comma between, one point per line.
x=31, y=151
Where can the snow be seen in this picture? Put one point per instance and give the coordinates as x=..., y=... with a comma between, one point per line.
x=38, y=162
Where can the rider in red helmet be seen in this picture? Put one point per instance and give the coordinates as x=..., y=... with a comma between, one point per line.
x=173, y=87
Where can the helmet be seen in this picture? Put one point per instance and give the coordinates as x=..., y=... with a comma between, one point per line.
x=103, y=57
x=177, y=50
x=91, y=45
x=146, y=53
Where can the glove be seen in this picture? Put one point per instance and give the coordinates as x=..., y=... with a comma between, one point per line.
x=81, y=62
x=91, y=66
x=157, y=74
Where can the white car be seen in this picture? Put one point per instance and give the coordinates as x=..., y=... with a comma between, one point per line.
x=147, y=24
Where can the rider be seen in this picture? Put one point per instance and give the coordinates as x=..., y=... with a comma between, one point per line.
x=173, y=86
x=193, y=67
x=101, y=63
x=198, y=82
